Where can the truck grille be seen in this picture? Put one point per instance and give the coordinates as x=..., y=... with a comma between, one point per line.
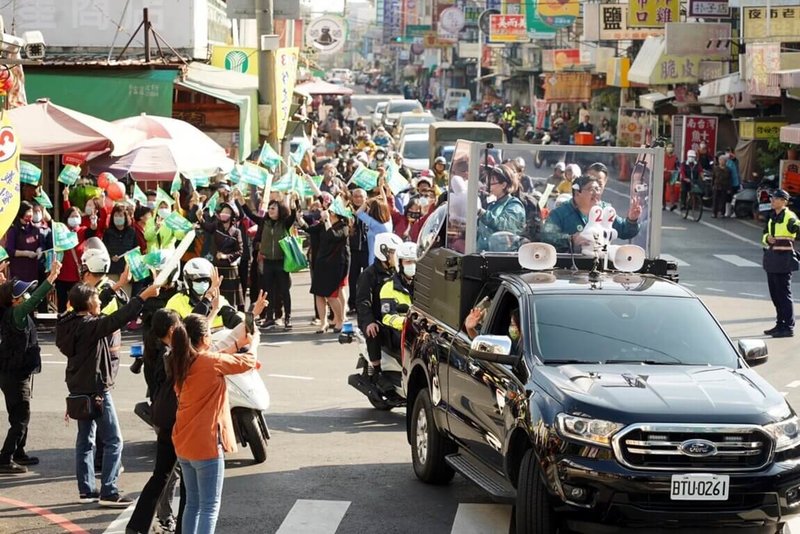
x=693, y=447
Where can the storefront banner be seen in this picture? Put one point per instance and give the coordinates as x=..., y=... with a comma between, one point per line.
x=699, y=129
x=709, y=40
x=613, y=20
x=565, y=87
x=760, y=60
x=631, y=127
x=558, y=14
x=285, y=78
x=709, y=9
x=556, y=60
x=760, y=130
x=507, y=29
x=783, y=24
x=653, y=13
x=535, y=26
x=235, y=58
x=540, y=109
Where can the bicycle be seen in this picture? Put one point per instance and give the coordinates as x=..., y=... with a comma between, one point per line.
x=693, y=206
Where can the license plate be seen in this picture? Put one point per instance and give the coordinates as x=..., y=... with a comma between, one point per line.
x=764, y=206
x=699, y=487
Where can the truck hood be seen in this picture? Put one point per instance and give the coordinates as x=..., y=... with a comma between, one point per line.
x=673, y=393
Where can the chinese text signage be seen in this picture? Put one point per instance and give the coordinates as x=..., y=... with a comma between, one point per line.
x=782, y=24
x=507, y=28
x=760, y=60
x=614, y=24
x=709, y=9
x=699, y=129
x=653, y=13
x=759, y=130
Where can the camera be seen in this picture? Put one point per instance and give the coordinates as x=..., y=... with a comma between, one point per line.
x=34, y=44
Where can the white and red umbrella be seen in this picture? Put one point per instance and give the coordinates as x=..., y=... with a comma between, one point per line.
x=321, y=87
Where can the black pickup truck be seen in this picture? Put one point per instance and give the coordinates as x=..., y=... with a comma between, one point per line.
x=622, y=405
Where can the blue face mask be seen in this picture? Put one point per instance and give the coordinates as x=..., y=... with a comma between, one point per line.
x=200, y=288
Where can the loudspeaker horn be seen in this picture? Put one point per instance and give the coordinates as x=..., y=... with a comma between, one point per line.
x=627, y=258
x=537, y=256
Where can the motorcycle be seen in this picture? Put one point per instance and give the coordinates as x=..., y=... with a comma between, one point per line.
x=391, y=396
x=744, y=202
x=249, y=401
x=766, y=186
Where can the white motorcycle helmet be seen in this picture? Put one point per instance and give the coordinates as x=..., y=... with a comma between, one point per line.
x=407, y=252
x=385, y=243
x=197, y=275
x=95, y=258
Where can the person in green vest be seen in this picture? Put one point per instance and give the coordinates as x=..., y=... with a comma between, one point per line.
x=780, y=260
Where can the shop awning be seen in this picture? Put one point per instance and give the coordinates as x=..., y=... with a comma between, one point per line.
x=646, y=61
x=106, y=93
x=790, y=134
x=653, y=66
x=649, y=101
x=235, y=88
x=785, y=79
x=727, y=85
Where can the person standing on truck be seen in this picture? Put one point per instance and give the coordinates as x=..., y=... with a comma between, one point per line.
x=368, y=299
x=505, y=213
x=780, y=260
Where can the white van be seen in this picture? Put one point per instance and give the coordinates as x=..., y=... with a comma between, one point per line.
x=452, y=98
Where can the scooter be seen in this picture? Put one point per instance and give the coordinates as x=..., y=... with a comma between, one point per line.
x=764, y=191
x=385, y=398
x=744, y=202
x=249, y=401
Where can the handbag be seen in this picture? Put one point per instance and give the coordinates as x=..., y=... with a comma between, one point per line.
x=84, y=407
x=293, y=258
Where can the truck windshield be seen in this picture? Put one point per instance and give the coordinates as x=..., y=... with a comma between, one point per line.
x=646, y=329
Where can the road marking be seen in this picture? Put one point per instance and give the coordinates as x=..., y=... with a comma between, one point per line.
x=687, y=284
x=731, y=234
x=275, y=343
x=54, y=518
x=670, y=257
x=715, y=290
x=673, y=228
x=793, y=384
x=736, y=260
x=314, y=517
x=751, y=224
x=757, y=295
x=481, y=518
x=293, y=377
x=118, y=525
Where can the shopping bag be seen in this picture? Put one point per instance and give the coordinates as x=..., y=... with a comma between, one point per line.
x=293, y=258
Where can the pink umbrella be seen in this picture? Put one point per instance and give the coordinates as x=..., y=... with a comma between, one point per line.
x=47, y=129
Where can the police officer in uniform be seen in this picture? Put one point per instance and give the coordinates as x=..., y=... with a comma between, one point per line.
x=780, y=261
x=397, y=292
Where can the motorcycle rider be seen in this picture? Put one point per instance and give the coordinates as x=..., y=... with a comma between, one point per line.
x=440, y=175
x=509, y=119
x=197, y=296
x=397, y=292
x=368, y=301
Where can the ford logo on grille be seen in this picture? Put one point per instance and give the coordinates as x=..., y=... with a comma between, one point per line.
x=698, y=448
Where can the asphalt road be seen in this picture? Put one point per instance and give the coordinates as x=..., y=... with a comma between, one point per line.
x=335, y=464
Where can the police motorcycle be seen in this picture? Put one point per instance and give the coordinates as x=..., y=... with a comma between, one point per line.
x=248, y=396
x=389, y=393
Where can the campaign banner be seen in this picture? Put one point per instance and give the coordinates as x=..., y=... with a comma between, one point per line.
x=365, y=178
x=69, y=175
x=138, y=195
x=285, y=78
x=269, y=157
x=177, y=222
x=175, y=186
x=136, y=265
x=43, y=199
x=29, y=173
x=254, y=175
x=63, y=238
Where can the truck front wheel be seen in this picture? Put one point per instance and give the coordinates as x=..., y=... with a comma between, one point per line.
x=428, y=445
x=533, y=511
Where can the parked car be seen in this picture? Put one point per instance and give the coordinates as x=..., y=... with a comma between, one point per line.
x=413, y=117
x=414, y=149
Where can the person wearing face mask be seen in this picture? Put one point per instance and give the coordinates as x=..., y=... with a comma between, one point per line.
x=41, y=221
x=20, y=358
x=396, y=294
x=440, y=176
x=329, y=277
x=565, y=223
x=691, y=175
x=402, y=224
x=119, y=238
x=672, y=187
x=376, y=215
x=24, y=245
x=505, y=213
x=201, y=284
x=226, y=248
x=94, y=215
x=70, y=270
x=379, y=160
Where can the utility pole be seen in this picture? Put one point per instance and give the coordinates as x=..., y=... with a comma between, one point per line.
x=266, y=68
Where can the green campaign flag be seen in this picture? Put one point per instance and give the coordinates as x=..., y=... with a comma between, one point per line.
x=212, y=203
x=236, y=174
x=29, y=173
x=198, y=179
x=304, y=188
x=154, y=259
x=69, y=175
x=340, y=209
x=63, y=238
x=3, y=254
x=175, y=186
x=268, y=157
x=300, y=152
x=44, y=200
x=137, y=265
x=254, y=175
x=162, y=196
x=49, y=256
x=177, y=222
x=285, y=183
x=396, y=181
x=365, y=178
x=138, y=195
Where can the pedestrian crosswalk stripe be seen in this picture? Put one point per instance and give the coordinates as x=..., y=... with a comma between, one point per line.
x=793, y=384
x=482, y=519
x=670, y=257
x=736, y=260
x=314, y=517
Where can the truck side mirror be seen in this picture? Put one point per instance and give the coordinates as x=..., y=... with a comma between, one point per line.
x=493, y=349
x=754, y=351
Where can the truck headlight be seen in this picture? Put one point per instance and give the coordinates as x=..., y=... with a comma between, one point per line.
x=786, y=433
x=586, y=429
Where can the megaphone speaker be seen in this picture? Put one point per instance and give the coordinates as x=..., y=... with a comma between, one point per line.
x=537, y=256
x=627, y=258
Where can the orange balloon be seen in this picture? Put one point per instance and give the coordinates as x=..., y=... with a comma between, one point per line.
x=104, y=180
x=116, y=191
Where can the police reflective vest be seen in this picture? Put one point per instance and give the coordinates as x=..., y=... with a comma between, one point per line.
x=784, y=229
x=510, y=117
x=182, y=304
x=394, y=293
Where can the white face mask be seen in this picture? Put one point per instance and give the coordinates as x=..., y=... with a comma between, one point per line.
x=200, y=287
x=410, y=270
x=37, y=217
x=119, y=221
x=164, y=213
x=424, y=201
x=89, y=210
x=74, y=222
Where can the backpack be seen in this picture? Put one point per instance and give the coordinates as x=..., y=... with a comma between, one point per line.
x=533, y=217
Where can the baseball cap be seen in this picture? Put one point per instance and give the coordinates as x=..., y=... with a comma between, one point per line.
x=561, y=166
x=691, y=154
x=780, y=193
x=21, y=287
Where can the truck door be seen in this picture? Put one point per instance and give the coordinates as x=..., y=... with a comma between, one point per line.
x=478, y=390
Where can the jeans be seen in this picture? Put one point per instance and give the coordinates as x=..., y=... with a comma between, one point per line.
x=166, y=460
x=112, y=451
x=17, y=392
x=203, y=481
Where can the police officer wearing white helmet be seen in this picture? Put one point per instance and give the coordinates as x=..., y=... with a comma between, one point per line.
x=396, y=293
x=368, y=296
x=201, y=287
